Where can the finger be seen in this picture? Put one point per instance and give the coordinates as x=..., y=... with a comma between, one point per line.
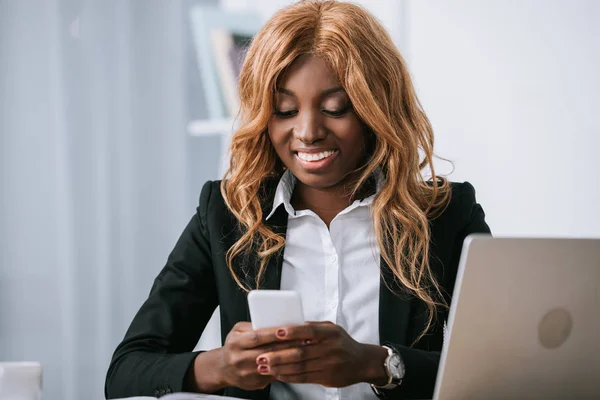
x=242, y=327
x=245, y=360
x=263, y=337
x=314, y=331
x=298, y=368
x=271, y=347
x=253, y=339
x=292, y=355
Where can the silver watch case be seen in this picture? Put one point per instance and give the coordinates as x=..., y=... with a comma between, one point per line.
x=395, y=370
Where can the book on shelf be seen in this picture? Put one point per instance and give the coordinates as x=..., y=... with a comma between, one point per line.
x=229, y=50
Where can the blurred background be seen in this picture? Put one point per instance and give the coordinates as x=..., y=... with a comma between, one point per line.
x=113, y=113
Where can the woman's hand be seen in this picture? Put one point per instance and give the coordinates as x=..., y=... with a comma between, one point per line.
x=328, y=356
x=238, y=355
x=234, y=364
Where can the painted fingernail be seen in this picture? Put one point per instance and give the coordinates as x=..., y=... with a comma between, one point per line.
x=281, y=333
x=263, y=369
x=262, y=360
x=307, y=342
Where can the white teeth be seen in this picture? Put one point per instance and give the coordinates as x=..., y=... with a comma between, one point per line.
x=315, y=156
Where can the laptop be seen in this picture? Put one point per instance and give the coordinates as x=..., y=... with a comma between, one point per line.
x=524, y=321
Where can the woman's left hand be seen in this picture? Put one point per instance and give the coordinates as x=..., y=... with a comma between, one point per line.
x=329, y=357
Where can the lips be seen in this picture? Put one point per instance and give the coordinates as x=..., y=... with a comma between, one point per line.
x=316, y=161
x=311, y=157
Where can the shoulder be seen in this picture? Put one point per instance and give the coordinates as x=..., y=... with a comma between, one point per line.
x=209, y=189
x=212, y=205
x=212, y=210
x=460, y=207
x=463, y=197
x=462, y=217
x=210, y=197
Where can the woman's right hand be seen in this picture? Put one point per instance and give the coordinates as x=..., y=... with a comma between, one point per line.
x=235, y=362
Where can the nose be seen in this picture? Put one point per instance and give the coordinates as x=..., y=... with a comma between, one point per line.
x=309, y=127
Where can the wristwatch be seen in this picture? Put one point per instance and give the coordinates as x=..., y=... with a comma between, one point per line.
x=394, y=367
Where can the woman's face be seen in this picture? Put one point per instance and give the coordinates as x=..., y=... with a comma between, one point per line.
x=314, y=129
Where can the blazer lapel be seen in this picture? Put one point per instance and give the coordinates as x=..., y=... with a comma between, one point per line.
x=394, y=309
x=272, y=276
x=271, y=279
x=248, y=264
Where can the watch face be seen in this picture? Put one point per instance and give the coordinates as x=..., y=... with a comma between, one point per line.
x=396, y=367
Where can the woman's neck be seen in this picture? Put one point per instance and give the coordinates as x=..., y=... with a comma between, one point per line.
x=328, y=202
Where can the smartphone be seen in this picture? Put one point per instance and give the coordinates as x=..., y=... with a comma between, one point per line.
x=275, y=308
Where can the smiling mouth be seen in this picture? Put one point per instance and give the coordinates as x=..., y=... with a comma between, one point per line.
x=312, y=157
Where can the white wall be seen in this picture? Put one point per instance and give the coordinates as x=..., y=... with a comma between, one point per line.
x=513, y=91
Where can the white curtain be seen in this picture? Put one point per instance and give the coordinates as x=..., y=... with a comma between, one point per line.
x=95, y=176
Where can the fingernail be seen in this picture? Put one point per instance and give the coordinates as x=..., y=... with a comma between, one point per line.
x=307, y=342
x=263, y=369
x=281, y=333
x=262, y=360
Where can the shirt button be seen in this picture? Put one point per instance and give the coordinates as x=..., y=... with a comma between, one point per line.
x=333, y=258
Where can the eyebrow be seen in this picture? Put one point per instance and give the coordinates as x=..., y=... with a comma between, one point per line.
x=323, y=94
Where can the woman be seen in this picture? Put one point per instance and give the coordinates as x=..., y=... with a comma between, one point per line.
x=324, y=196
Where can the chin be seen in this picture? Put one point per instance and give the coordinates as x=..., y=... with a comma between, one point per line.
x=318, y=181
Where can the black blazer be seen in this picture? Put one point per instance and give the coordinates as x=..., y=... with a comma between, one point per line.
x=155, y=354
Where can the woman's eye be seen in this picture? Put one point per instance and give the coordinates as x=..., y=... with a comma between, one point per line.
x=285, y=114
x=337, y=113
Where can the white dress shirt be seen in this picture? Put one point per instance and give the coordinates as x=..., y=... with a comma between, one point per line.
x=336, y=273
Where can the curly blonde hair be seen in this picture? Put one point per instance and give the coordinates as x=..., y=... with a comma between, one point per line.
x=374, y=75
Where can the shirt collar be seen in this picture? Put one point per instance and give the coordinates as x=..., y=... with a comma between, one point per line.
x=283, y=193
x=287, y=183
